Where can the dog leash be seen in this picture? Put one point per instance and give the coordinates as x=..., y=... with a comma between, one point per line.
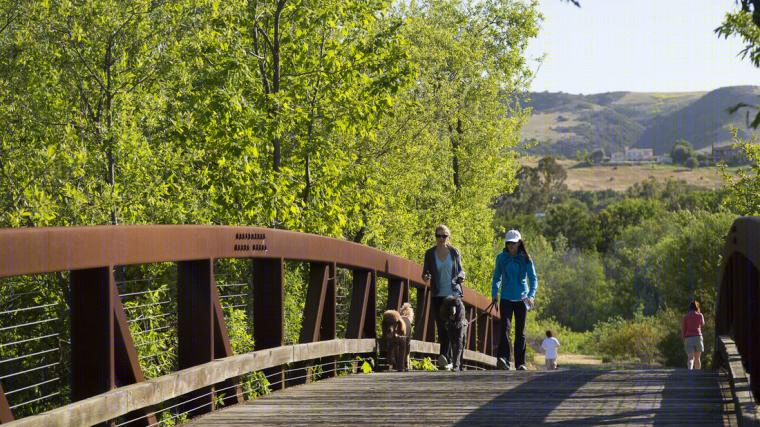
x=488, y=309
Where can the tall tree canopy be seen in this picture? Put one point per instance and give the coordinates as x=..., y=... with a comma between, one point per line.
x=368, y=120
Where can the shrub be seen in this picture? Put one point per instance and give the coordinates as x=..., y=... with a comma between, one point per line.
x=682, y=150
x=691, y=162
x=255, y=384
x=423, y=365
x=630, y=338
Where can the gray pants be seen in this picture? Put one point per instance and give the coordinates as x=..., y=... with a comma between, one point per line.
x=551, y=364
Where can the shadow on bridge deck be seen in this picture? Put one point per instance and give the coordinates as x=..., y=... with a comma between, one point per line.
x=569, y=397
x=607, y=398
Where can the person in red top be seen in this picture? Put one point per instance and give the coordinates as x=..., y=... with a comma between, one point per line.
x=691, y=332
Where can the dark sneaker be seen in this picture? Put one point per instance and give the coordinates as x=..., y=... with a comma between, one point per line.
x=442, y=362
x=522, y=368
x=502, y=364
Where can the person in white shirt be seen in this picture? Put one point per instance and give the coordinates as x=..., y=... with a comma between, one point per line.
x=550, y=344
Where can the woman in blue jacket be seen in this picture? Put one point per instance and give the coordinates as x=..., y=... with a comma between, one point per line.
x=514, y=277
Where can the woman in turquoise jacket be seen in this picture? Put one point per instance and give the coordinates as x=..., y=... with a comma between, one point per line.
x=514, y=278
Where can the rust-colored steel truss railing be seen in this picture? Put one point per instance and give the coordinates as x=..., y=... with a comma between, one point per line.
x=103, y=353
x=737, y=319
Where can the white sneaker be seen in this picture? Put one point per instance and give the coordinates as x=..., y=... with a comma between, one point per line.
x=448, y=367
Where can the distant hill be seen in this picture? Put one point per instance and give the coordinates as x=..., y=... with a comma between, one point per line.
x=563, y=124
x=704, y=123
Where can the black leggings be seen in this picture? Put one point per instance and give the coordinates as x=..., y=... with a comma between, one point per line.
x=443, y=337
x=506, y=309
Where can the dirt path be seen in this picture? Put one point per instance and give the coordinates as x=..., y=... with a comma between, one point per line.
x=568, y=360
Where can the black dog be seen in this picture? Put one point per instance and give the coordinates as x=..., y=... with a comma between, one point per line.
x=453, y=313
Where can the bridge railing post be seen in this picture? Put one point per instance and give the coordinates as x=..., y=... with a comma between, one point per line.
x=398, y=293
x=269, y=311
x=318, y=323
x=201, y=329
x=472, y=319
x=92, y=332
x=103, y=354
x=195, y=330
x=425, y=331
x=361, y=317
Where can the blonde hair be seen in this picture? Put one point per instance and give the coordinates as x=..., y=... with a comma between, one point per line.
x=442, y=227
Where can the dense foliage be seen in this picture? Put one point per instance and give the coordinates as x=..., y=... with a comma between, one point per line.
x=371, y=121
x=618, y=266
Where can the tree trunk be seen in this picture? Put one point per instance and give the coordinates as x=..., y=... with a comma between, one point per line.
x=276, y=143
x=111, y=179
x=455, y=139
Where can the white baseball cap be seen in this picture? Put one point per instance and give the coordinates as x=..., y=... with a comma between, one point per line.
x=512, y=236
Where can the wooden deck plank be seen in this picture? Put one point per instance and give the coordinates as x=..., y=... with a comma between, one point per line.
x=661, y=397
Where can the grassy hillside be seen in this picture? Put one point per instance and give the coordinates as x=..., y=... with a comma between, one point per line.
x=619, y=178
x=704, y=123
x=563, y=123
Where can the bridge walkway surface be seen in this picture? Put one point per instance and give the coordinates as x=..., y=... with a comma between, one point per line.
x=565, y=397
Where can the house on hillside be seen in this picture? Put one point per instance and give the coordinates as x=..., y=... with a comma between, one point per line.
x=637, y=155
x=664, y=158
x=727, y=154
x=617, y=157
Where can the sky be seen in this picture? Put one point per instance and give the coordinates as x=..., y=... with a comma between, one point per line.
x=636, y=45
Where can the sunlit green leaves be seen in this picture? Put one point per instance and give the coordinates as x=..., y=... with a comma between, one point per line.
x=743, y=197
x=186, y=101
x=458, y=107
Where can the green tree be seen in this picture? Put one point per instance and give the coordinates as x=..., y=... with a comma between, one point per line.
x=458, y=124
x=83, y=92
x=681, y=151
x=573, y=220
x=596, y=157
x=745, y=23
x=668, y=260
x=573, y=290
x=554, y=175
x=743, y=185
x=365, y=120
x=537, y=187
x=619, y=215
x=326, y=71
x=686, y=264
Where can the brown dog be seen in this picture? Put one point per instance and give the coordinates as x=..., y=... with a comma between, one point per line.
x=397, y=334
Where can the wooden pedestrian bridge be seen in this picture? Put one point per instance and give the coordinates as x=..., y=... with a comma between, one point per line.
x=192, y=325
